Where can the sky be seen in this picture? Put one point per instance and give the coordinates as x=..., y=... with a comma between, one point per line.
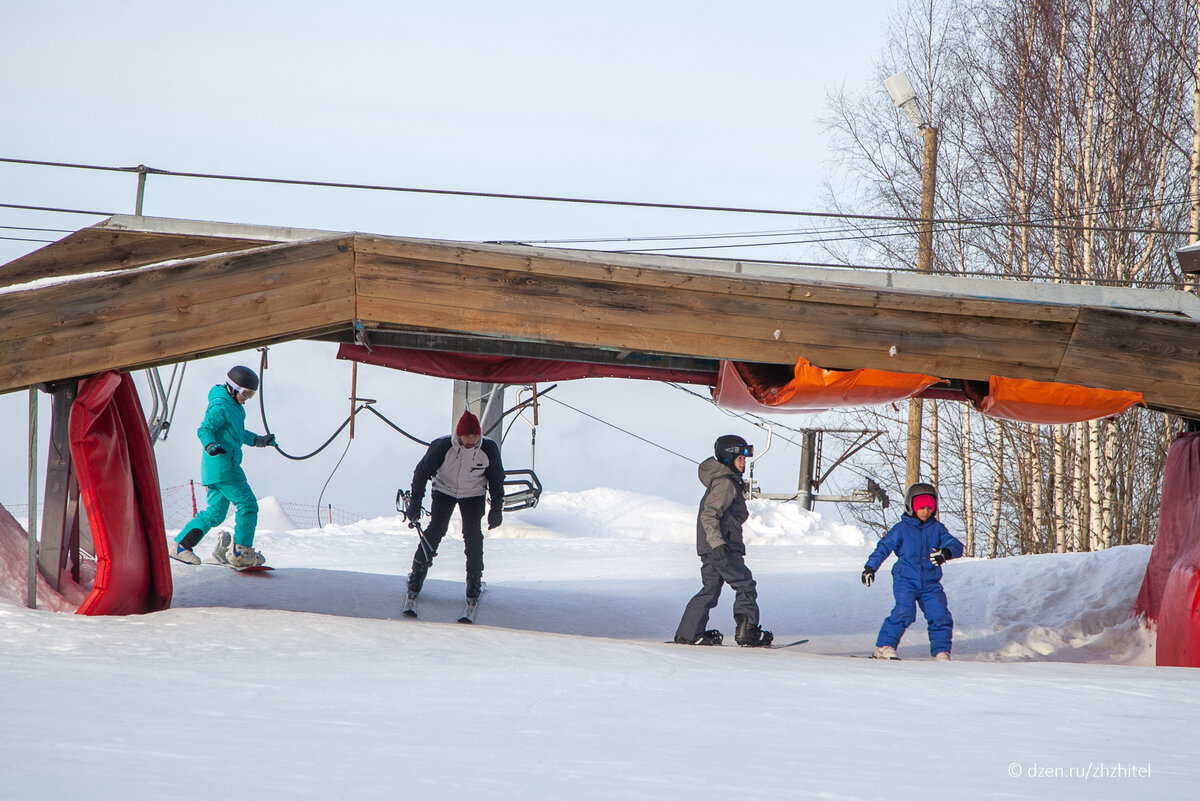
x=695, y=103
x=307, y=683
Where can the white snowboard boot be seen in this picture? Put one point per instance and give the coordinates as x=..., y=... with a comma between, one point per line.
x=884, y=652
x=245, y=556
x=181, y=554
x=221, y=551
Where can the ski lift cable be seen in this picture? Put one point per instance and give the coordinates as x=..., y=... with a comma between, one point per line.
x=324, y=486
x=623, y=431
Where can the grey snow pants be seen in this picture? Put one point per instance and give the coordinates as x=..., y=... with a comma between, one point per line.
x=715, y=573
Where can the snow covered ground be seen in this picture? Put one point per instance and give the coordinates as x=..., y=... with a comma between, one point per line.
x=307, y=683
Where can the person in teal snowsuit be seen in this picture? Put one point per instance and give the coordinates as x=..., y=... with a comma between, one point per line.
x=922, y=545
x=223, y=433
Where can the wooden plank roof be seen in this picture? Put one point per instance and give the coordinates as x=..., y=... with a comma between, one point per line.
x=134, y=292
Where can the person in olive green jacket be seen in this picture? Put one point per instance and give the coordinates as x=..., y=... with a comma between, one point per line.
x=223, y=433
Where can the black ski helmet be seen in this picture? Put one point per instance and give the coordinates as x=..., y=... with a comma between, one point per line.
x=730, y=446
x=920, y=488
x=243, y=378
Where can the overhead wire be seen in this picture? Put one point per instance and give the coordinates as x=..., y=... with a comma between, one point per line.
x=622, y=430
x=143, y=169
x=886, y=222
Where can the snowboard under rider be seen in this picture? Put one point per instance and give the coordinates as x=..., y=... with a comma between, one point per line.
x=722, y=551
x=464, y=467
x=922, y=545
x=223, y=433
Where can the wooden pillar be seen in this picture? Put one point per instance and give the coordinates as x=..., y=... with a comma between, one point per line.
x=59, y=517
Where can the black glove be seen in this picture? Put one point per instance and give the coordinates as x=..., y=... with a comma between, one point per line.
x=495, y=517
x=263, y=440
x=413, y=510
x=214, y=450
x=868, y=576
x=939, y=556
x=721, y=553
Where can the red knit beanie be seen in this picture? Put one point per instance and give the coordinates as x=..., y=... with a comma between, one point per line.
x=919, y=502
x=468, y=424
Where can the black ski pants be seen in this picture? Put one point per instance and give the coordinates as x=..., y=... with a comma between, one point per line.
x=470, y=512
x=715, y=573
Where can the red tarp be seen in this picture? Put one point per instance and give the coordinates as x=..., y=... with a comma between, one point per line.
x=1170, y=592
x=812, y=389
x=118, y=485
x=508, y=369
x=1049, y=403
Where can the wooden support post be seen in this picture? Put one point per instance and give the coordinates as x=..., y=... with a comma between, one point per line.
x=353, y=394
x=58, y=525
x=31, y=523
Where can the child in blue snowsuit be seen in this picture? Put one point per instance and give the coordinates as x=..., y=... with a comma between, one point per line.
x=922, y=545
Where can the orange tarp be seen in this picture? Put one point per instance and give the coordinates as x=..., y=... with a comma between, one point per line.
x=812, y=389
x=1050, y=403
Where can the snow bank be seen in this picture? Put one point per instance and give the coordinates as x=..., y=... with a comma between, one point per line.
x=777, y=523
x=621, y=514
x=1075, y=607
x=14, y=572
x=271, y=516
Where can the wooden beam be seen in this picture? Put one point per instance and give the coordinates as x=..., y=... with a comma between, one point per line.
x=172, y=313
x=712, y=316
x=92, y=250
x=594, y=303
x=154, y=309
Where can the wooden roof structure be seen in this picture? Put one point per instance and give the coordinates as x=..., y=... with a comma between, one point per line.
x=136, y=292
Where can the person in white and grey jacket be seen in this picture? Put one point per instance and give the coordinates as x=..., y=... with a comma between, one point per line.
x=464, y=468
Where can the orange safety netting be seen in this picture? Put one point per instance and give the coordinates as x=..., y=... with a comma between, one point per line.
x=812, y=389
x=1049, y=403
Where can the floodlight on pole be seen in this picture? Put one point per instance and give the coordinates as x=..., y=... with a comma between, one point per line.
x=903, y=95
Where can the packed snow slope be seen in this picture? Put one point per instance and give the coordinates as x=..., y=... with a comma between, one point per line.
x=306, y=683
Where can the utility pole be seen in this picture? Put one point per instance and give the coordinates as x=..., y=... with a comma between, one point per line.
x=905, y=99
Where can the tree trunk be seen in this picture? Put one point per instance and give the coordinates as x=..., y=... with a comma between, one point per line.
x=1060, y=489
x=997, y=486
x=968, y=495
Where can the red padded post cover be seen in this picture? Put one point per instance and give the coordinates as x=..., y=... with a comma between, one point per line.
x=118, y=485
x=1170, y=592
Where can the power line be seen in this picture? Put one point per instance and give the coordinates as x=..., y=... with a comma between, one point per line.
x=618, y=428
x=30, y=228
x=25, y=239
x=52, y=208
x=143, y=169
x=860, y=232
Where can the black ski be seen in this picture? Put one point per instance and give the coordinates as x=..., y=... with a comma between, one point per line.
x=410, y=605
x=468, y=615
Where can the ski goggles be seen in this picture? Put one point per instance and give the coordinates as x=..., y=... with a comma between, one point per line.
x=739, y=450
x=246, y=394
